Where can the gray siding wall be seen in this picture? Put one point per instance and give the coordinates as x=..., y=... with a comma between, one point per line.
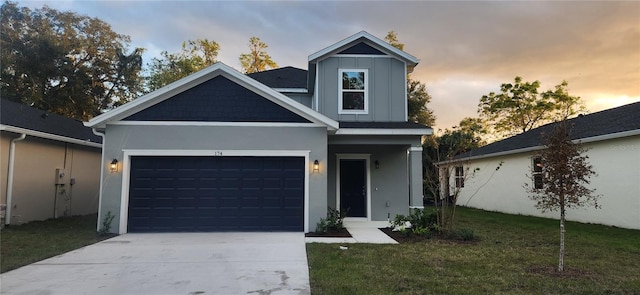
x=389, y=183
x=302, y=98
x=387, y=88
x=119, y=138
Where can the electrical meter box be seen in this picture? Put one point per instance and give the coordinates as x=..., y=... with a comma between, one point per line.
x=61, y=176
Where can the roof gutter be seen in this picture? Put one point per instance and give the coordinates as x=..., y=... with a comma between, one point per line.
x=540, y=147
x=50, y=136
x=12, y=158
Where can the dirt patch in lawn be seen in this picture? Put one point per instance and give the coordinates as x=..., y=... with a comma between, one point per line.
x=571, y=273
x=332, y=233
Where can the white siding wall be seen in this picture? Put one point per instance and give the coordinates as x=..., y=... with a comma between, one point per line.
x=617, y=163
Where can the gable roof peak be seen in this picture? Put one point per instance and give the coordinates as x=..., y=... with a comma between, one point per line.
x=197, y=78
x=411, y=60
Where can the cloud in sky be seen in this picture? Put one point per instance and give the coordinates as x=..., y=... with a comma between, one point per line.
x=467, y=49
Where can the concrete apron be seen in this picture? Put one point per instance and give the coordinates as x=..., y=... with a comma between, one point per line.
x=173, y=263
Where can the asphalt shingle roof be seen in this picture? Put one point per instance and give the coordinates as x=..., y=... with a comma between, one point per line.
x=22, y=116
x=615, y=120
x=286, y=77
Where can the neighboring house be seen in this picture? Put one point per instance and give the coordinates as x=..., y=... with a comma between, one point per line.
x=50, y=165
x=270, y=151
x=612, y=138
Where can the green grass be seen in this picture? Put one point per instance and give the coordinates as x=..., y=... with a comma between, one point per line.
x=24, y=244
x=516, y=255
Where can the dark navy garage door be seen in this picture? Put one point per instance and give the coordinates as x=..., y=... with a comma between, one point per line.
x=195, y=194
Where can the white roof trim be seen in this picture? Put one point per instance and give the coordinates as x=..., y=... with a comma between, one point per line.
x=362, y=34
x=50, y=136
x=384, y=131
x=218, y=69
x=292, y=90
x=215, y=124
x=539, y=147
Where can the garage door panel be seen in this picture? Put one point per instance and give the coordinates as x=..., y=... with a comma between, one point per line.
x=216, y=194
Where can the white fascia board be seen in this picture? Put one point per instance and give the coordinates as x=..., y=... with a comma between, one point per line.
x=50, y=136
x=539, y=147
x=215, y=124
x=375, y=40
x=375, y=131
x=218, y=69
x=291, y=90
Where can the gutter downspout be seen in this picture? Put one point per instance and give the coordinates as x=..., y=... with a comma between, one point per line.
x=12, y=157
x=101, y=176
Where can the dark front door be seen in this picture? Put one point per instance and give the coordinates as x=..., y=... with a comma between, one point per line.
x=353, y=187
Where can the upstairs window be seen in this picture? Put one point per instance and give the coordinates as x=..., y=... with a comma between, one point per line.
x=537, y=173
x=459, y=176
x=352, y=96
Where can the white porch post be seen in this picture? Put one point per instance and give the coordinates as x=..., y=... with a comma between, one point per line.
x=415, y=177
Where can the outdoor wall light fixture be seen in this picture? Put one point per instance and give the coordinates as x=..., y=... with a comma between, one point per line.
x=114, y=165
x=316, y=166
x=377, y=164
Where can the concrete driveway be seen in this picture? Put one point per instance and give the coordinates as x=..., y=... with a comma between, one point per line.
x=174, y=263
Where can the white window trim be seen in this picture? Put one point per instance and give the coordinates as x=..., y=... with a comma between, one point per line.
x=459, y=179
x=366, y=92
x=535, y=173
x=126, y=167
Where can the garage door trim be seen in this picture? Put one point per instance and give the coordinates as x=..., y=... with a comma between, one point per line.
x=126, y=167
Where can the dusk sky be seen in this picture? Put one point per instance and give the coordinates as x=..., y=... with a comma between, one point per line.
x=467, y=49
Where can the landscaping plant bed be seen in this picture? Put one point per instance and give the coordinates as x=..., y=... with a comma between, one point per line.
x=331, y=233
x=409, y=237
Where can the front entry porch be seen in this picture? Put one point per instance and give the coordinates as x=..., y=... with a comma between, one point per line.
x=374, y=178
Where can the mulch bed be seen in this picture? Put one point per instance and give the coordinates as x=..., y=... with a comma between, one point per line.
x=411, y=238
x=332, y=233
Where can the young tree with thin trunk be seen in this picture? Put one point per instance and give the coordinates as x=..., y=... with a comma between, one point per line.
x=563, y=173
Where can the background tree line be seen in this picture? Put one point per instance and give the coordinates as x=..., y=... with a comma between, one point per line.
x=77, y=66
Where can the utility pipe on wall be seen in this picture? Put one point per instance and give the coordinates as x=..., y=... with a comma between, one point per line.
x=12, y=157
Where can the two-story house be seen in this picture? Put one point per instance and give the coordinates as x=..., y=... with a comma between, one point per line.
x=270, y=151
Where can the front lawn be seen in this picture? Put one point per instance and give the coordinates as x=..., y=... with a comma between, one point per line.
x=24, y=244
x=516, y=255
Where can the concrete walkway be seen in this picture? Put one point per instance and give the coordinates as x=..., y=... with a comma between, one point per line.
x=189, y=263
x=361, y=232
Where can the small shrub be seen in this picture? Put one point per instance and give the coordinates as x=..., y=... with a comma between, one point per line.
x=335, y=218
x=421, y=222
x=421, y=231
x=322, y=226
x=106, y=224
x=334, y=221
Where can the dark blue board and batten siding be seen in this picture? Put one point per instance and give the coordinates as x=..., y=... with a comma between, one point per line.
x=204, y=194
x=217, y=100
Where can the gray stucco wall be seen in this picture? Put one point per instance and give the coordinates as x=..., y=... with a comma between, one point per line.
x=389, y=183
x=119, y=138
x=387, y=88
